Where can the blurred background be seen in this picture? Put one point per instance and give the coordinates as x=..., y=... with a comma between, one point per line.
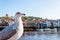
x=42, y=19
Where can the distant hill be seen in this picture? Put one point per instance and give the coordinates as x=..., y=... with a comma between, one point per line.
x=27, y=18
x=31, y=18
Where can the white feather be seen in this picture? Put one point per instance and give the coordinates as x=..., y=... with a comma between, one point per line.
x=19, y=29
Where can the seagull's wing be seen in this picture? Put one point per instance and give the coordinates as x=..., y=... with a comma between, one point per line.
x=7, y=33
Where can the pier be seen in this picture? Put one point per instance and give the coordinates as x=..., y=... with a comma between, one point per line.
x=34, y=28
x=44, y=28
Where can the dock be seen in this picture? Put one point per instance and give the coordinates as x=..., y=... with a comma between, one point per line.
x=32, y=28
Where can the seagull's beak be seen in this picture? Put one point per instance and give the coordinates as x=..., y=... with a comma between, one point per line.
x=23, y=14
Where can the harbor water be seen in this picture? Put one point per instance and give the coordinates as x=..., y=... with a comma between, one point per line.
x=40, y=35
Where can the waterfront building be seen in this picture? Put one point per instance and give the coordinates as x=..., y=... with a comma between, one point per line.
x=32, y=24
x=58, y=21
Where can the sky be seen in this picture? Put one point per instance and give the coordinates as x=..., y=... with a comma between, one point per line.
x=49, y=9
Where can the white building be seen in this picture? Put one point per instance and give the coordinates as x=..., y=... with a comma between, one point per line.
x=58, y=22
x=48, y=23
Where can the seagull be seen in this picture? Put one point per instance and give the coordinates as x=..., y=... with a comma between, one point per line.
x=13, y=31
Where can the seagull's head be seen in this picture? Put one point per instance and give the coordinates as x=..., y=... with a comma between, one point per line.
x=18, y=14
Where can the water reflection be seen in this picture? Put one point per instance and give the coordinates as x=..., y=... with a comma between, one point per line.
x=41, y=35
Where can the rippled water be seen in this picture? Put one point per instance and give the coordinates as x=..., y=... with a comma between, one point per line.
x=47, y=35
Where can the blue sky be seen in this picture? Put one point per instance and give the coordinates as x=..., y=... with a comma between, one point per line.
x=39, y=8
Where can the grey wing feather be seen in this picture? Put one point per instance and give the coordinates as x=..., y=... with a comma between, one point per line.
x=7, y=33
